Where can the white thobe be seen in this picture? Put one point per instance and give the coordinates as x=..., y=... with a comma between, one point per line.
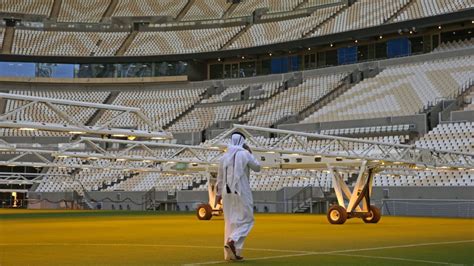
x=238, y=204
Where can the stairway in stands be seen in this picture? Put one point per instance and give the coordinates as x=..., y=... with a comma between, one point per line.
x=55, y=9
x=318, y=104
x=442, y=108
x=257, y=103
x=202, y=96
x=302, y=3
x=229, y=10
x=99, y=112
x=236, y=36
x=185, y=10
x=301, y=202
x=197, y=184
x=83, y=195
x=304, y=207
x=8, y=40
x=400, y=11
x=3, y=104
x=307, y=34
x=282, y=88
x=123, y=178
x=110, y=10
x=126, y=43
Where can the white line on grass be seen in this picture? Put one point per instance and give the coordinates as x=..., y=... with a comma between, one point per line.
x=336, y=252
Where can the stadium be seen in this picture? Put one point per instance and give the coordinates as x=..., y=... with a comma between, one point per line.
x=116, y=117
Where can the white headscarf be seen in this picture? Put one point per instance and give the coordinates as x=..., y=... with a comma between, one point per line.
x=236, y=144
x=230, y=160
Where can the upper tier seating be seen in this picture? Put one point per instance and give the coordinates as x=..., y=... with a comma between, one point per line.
x=142, y=8
x=32, y=7
x=426, y=8
x=284, y=30
x=246, y=7
x=67, y=43
x=452, y=137
x=324, y=21
x=292, y=101
x=82, y=11
x=207, y=9
x=398, y=91
x=181, y=41
x=201, y=117
x=362, y=14
x=161, y=106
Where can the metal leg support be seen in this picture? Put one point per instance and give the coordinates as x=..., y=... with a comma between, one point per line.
x=355, y=203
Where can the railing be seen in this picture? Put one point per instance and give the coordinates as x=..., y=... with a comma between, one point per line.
x=83, y=196
x=428, y=207
x=11, y=203
x=453, y=96
x=149, y=200
x=261, y=206
x=302, y=199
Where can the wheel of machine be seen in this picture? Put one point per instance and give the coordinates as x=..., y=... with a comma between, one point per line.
x=337, y=215
x=204, y=212
x=374, y=215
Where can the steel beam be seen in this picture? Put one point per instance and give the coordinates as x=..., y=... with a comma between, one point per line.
x=73, y=125
x=380, y=155
x=313, y=144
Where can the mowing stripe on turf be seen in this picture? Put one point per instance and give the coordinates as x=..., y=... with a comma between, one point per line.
x=299, y=252
x=336, y=252
x=143, y=245
x=407, y=246
x=393, y=258
x=252, y=259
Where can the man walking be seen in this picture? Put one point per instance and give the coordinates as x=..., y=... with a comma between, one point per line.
x=233, y=186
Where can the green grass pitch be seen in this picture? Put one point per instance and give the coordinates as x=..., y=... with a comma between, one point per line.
x=139, y=238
